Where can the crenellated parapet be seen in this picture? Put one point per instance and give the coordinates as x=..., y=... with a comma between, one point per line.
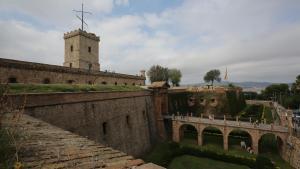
x=81, y=32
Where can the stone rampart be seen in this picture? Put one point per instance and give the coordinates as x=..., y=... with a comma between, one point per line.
x=122, y=120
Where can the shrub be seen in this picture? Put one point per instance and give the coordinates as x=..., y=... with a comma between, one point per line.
x=217, y=156
x=263, y=162
x=6, y=149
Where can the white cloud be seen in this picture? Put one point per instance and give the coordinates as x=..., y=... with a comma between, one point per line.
x=252, y=38
x=21, y=41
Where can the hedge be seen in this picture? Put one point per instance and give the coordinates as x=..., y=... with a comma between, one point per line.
x=260, y=162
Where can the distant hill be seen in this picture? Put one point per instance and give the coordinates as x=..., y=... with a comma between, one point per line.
x=240, y=84
x=247, y=86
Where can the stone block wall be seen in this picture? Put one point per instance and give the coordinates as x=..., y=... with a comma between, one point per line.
x=28, y=72
x=292, y=155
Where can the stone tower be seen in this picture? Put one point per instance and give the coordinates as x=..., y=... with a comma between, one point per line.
x=82, y=50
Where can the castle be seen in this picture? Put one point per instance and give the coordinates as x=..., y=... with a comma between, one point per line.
x=129, y=121
x=81, y=66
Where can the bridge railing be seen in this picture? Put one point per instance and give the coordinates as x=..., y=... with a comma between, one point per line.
x=232, y=123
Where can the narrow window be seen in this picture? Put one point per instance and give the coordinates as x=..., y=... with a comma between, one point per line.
x=46, y=81
x=90, y=82
x=116, y=83
x=90, y=49
x=128, y=120
x=12, y=80
x=104, y=128
x=144, y=114
x=104, y=83
x=133, y=84
x=90, y=66
x=71, y=48
x=125, y=84
x=70, y=65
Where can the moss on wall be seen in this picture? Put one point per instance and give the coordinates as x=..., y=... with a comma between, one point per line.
x=230, y=103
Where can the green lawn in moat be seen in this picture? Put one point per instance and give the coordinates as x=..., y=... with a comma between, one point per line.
x=191, y=162
x=213, y=143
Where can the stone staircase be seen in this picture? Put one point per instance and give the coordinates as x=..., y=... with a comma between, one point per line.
x=49, y=147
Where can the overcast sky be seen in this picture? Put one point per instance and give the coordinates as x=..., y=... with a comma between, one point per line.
x=257, y=40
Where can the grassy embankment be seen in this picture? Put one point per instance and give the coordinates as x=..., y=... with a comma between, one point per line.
x=50, y=88
x=259, y=113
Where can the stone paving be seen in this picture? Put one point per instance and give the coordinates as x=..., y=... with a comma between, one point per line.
x=49, y=147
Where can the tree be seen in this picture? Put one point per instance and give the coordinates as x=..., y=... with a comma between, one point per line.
x=158, y=73
x=276, y=90
x=212, y=75
x=296, y=85
x=175, y=76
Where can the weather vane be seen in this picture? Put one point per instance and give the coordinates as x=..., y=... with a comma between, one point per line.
x=82, y=16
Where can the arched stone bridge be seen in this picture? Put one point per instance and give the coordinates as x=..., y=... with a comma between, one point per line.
x=256, y=131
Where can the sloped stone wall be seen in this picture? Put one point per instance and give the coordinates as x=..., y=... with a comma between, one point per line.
x=122, y=120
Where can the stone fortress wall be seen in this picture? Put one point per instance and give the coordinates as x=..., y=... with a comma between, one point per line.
x=12, y=71
x=122, y=120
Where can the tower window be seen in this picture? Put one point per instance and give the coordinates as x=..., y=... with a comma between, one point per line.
x=133, y=84
x=71, y=48
x=46, y=81
x=116, y=83
x=70, y=65
x=90, y=49
x=104, y=128
x=12, y=80
x=125, y=84
x=90, y=66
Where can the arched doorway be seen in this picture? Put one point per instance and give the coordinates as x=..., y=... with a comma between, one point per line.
x=188, y=134
x=212, y=136
x=239, y=140
x=270, y=143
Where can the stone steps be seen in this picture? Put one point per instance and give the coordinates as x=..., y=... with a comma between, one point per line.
x=46, y=146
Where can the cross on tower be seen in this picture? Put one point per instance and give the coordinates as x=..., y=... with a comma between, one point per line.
x=82, y=14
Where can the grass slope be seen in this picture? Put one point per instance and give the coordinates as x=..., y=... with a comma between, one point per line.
x=191, y=162
x=50, y=88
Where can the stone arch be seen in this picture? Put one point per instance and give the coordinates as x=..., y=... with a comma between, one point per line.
x=189, y=132
x=269, y=141
x=12, y=79
x=212, y=135
x=244, y=134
